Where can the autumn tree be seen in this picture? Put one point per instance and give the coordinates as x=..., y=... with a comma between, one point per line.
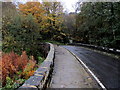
x=54, y=12
x=48, y=15
x=34, y=8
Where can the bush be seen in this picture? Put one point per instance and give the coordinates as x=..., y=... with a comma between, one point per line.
x=15, y=67
x=24, y=35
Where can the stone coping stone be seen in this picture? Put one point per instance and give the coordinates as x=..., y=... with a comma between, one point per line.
x=34, y=80
x=106, y=49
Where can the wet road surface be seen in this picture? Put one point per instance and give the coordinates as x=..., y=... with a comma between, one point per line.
x=106, y=68
x=69, y=73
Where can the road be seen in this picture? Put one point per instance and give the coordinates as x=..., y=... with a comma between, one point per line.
x=106, y=68
x=69, y=73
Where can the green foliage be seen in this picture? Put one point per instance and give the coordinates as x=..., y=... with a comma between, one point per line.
x=23, y=30
x=40, y=59
x=9, y=82
x=98, y=23
x=8, y=13
x=30, y=25
x=25, y=35
x=11, y=85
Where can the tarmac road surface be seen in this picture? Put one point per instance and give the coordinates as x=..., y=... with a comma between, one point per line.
x=69, y=73
x=106, y=68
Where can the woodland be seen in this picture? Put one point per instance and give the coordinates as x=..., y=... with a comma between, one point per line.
x=26, y=26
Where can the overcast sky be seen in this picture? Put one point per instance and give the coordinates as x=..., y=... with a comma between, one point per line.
x=68, y=4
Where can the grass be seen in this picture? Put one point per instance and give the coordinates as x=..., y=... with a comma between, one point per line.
x=40, y=60
x=54, y=42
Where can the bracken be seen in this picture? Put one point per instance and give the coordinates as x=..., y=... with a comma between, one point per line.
x=12, y=64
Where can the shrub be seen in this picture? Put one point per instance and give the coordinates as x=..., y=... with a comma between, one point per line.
x=15, y=66
x=23, y=35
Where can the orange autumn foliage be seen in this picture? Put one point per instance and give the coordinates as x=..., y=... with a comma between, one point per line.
x=34, y=8
x=13, y=63
x=28, y=70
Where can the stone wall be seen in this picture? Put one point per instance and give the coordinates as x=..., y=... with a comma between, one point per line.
x=42, y=76
x=105, y=49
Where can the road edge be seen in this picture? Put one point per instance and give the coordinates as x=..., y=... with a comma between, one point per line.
x=85, y=66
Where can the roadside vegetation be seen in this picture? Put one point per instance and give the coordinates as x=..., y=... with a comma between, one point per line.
x=97, y=23
x=24, y=27
x=16, y=69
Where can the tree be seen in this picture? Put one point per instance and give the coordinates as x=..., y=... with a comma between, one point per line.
x=48, y=15
x=69, y=24
x=98, y=23
x=8, y=13
x=54, y=13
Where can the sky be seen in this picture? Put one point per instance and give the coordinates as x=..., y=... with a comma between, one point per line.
x=67, y=4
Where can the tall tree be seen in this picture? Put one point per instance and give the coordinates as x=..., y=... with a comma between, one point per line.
x=9, y=12
x=98, y=23
x=54, y=12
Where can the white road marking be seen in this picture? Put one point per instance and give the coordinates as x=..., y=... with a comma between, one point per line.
x=98, y=81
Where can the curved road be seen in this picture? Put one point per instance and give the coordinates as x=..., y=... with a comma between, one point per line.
x=69, y=73
x=106, y=68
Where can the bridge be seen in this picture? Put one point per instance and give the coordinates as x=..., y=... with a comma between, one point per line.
x=76, y=67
